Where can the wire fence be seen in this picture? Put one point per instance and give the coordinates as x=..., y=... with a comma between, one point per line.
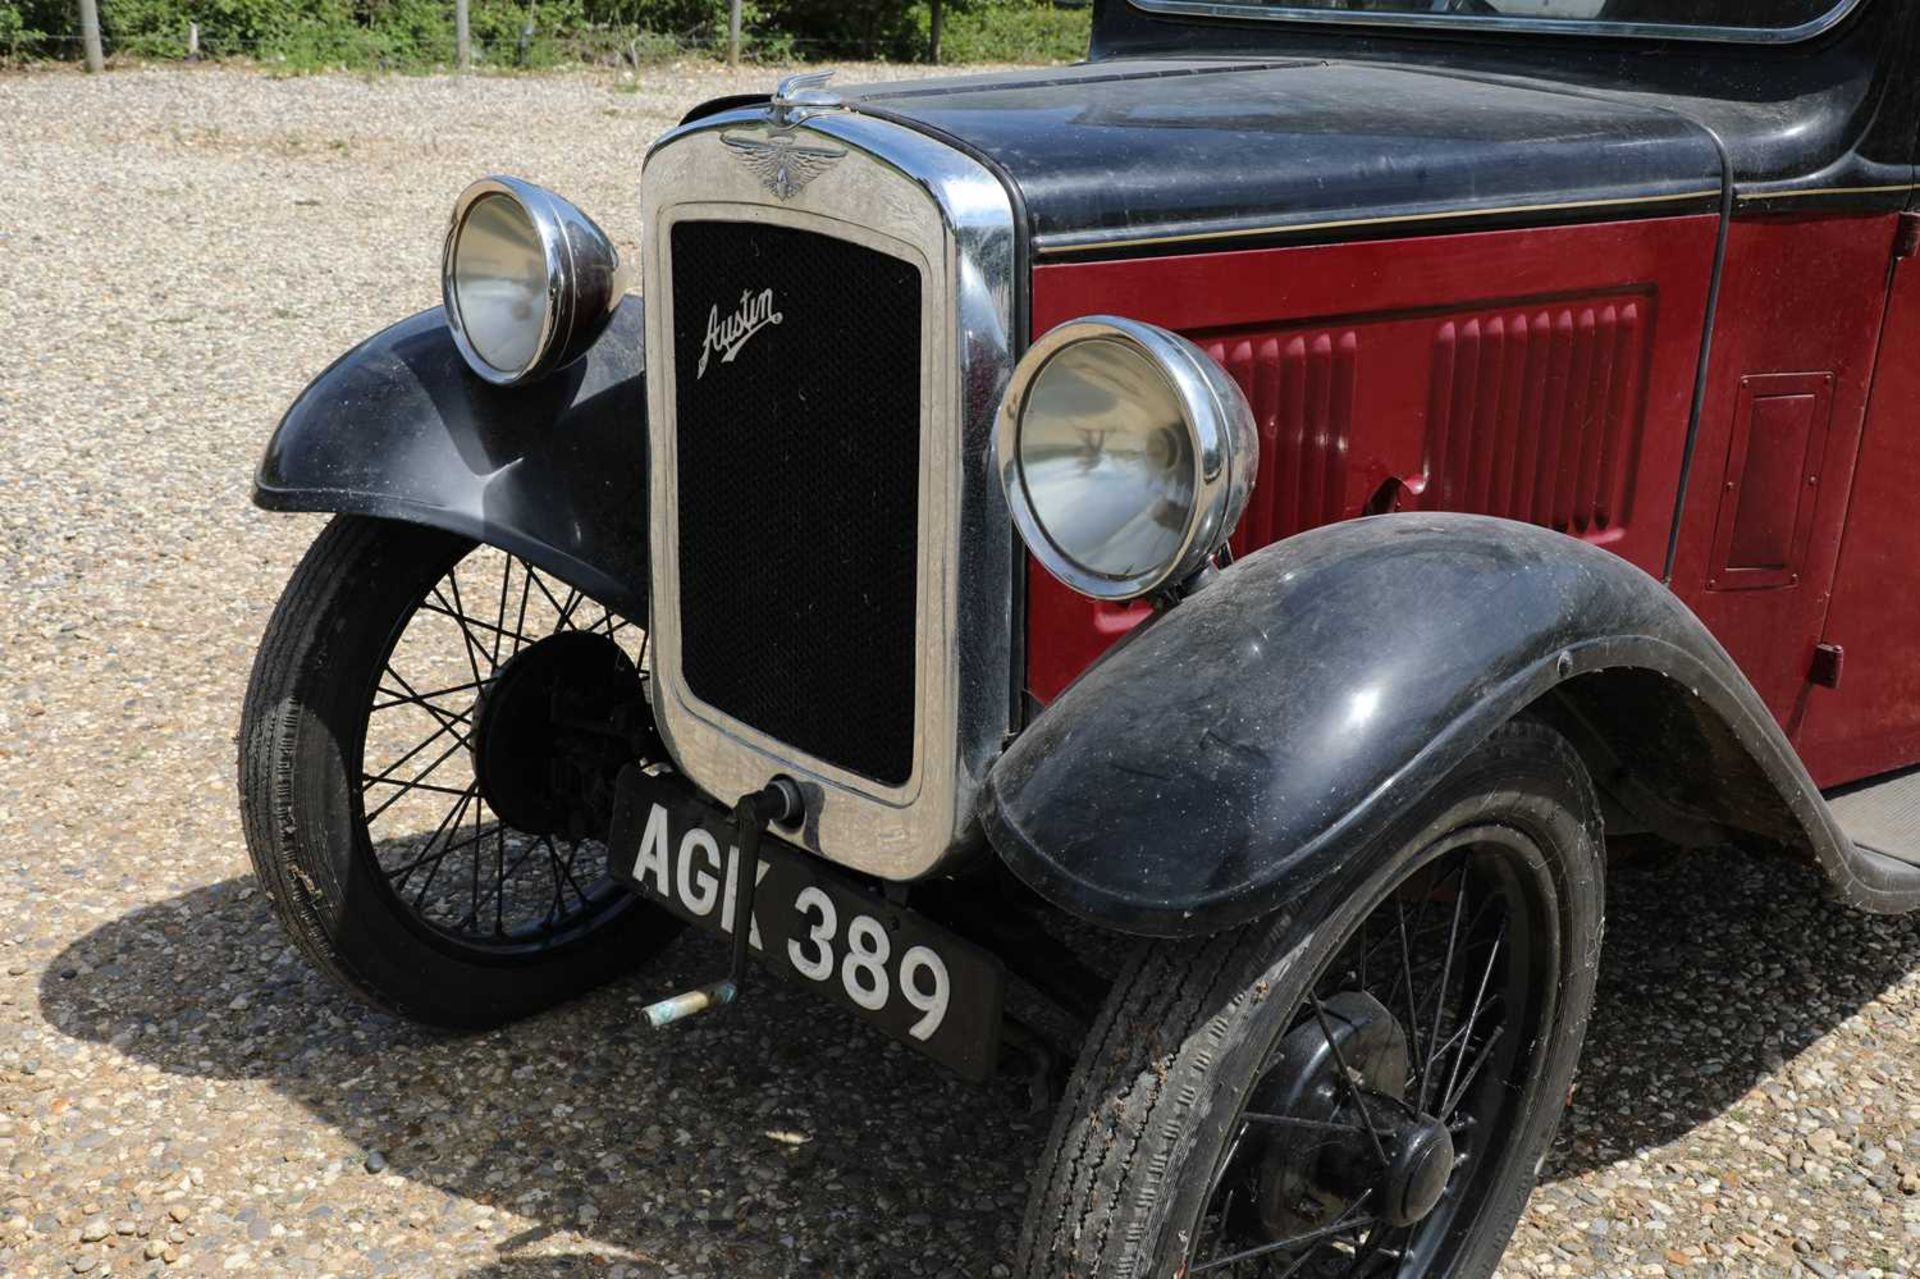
x=604, y=44
x=515, y=35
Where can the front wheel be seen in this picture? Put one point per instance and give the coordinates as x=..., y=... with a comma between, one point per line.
x=427, y=758
x=1364, y=1086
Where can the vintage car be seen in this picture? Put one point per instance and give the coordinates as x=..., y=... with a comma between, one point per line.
x=1208, y=543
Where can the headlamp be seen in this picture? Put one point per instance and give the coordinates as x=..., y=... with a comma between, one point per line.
x=529, y=281
x=1126, y=454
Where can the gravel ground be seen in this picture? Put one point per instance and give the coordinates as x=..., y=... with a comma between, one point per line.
x=179, y=251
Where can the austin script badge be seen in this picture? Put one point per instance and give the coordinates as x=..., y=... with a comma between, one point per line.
x=727, y=335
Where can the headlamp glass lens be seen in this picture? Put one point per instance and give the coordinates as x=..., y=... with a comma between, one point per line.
x=1108, y=459
x=500, y=282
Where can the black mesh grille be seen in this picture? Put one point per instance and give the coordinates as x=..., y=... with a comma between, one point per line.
x=799, y=472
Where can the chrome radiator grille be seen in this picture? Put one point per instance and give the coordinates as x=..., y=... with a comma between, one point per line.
x=829, y=304
x=797, y=370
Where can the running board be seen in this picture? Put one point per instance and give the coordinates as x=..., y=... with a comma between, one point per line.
x=1882, y=816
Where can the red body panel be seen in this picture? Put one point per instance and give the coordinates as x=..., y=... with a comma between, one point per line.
x=1870, y=723
x=1547, y=376
x=1544, y=375
x=1798, y=325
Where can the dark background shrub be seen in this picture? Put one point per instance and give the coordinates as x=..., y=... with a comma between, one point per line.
x=418, y=34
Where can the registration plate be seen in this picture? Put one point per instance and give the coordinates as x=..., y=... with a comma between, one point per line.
x=892, y=966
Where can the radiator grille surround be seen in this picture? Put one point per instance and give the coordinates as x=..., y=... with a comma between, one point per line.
x=798, y=482
x=832, y=558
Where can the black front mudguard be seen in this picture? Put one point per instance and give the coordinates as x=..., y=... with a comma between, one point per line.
x=1263, y=736
x=555, y=472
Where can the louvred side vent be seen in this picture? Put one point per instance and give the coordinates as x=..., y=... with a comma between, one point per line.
x=1302, y=388
x=1535, y=415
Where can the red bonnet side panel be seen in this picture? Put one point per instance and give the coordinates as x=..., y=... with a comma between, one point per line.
x=1543, y=375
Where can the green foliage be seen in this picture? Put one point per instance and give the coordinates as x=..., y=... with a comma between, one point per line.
x=17, y=39
x=849, y=28
x=1008, y=31
x=315, y=34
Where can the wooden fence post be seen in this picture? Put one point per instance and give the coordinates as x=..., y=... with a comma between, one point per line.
x=733, y=33
x=462, y=36
x=90, y=34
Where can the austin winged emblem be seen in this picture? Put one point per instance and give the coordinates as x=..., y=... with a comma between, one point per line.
x=782, y=162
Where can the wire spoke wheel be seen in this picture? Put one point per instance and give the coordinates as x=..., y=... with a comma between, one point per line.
x=1359, y=1146
x=428, y=755
x=504, y=707
x=1361, y=1084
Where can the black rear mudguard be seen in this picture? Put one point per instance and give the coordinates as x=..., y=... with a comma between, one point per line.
x=555, y=472
x=1263, y=735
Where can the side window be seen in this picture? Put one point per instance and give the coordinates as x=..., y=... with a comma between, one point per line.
x=1686, y=19
x=1549, y=8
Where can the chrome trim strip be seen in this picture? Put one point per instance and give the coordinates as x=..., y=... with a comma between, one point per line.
x=1485, y=22
x=899, y=192
x=1802, y=193
x=1057, y=249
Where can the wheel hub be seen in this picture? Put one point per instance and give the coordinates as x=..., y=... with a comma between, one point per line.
x=553, y=729
x=1422, y=1164
x=1337, y=1097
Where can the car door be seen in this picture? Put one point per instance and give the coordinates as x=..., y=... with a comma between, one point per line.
x=1864, y=718
x=1792, y=364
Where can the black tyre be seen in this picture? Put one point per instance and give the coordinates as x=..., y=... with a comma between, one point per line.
x=1362, y=1086
x=426, y=760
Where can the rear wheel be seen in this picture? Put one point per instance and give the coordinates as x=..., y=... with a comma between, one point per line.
x=427, y=758
x=1364, y=1087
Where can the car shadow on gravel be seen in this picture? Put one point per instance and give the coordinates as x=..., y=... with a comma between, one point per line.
x=785, y=1138
x=1719, y=969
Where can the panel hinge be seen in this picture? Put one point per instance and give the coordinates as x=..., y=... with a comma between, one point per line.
x=1827, y=662
x=1906, y=242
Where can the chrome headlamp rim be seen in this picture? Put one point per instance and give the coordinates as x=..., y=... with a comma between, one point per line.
x=1222, y=436
x=538, y=204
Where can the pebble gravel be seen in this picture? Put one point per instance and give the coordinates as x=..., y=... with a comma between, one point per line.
x=179, y=251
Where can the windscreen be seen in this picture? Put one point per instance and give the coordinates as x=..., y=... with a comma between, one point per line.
x=1757, y=20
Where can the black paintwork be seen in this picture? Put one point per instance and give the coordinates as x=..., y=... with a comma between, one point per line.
x=1182, y=131
x=1838, y=111
x=555, y=472
x=1265, y=734
x=1153, y=150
